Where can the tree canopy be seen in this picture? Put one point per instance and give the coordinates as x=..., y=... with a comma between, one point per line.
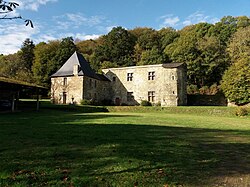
x=213, y=53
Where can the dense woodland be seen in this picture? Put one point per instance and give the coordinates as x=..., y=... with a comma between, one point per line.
x=217, y=55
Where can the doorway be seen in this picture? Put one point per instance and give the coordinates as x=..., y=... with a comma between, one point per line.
x=64, y=97
x=117, y=101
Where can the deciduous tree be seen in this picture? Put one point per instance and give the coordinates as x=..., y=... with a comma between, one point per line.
x=6, y=7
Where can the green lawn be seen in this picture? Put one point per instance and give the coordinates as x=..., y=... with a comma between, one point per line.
x=56, y=147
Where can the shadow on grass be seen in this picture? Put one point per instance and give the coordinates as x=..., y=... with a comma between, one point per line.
x=62, y=149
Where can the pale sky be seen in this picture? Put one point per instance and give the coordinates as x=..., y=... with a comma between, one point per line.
x=88, y=19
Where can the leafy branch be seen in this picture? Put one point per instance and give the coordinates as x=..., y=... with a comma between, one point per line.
x=7, y=7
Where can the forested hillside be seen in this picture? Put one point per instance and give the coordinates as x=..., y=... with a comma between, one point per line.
x=217, y=55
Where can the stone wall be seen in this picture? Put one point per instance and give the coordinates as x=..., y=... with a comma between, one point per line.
x=72, y=89
x=167, y=85
x=78, y=88
x=96, y=90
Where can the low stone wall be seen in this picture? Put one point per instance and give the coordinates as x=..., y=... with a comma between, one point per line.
x=207, y=100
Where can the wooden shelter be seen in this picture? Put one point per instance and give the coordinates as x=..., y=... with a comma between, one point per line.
x=10, y=90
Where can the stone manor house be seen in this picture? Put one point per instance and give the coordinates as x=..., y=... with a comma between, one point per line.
x=162, y=83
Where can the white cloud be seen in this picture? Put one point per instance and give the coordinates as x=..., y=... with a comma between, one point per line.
x=169, y=20
x=33, y=4
x=109, y=28
x=13, y=35
x=86, y=36
x=75, y=20
x=199, y=17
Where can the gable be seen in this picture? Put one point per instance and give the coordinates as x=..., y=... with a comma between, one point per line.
x=68, y=67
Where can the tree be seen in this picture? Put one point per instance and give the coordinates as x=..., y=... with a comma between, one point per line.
x=50, y=57
x=7, y=7
x=153, y=56
x=239, y=45
x=27, y=54
x=224, y=29
x=213, y=61
x=9, y=65
x=236, y=82
x=44, y=57
x=117, y=48
x=148, y=41
x=167, y=36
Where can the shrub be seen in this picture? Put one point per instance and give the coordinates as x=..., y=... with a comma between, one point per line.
x=145, y=103
x=192, y=89
x=106, y=102
x=158, y=103
x=86, y=102
x=204, y=90
x=241, y=111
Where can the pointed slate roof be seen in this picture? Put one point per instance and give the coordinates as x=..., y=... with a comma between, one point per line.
x=76, y=59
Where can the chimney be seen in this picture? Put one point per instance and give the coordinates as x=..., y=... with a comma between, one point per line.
x=75, y=69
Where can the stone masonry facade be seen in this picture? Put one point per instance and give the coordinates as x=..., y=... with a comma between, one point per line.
x=159, y=84
x=73, y=89
x=163, y=84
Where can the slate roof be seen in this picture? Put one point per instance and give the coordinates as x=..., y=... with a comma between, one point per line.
x=172, y=65
x=84, y=67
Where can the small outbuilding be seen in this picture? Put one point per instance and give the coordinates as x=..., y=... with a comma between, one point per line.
x=10, y=90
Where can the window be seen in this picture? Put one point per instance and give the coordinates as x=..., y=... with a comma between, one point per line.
x=129, y=76
x=172, y=77
x=130, y=96
x=64, y=81
x=90, y=83
x=151, y=96
x=95, y=83
x=151, y=75
x=114, y=79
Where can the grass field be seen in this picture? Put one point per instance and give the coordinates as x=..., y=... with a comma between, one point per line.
x=61, y=147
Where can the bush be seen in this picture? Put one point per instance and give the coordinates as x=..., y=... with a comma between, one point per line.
x=241, y=111
x=86, y=102
x=192, y=89
x=158, y=103
x=106, y=102
x=145, y=103
x=204, y=90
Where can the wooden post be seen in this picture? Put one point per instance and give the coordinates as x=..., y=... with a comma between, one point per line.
x=13, y=103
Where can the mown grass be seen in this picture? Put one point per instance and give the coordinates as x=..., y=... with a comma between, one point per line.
x=63, y=146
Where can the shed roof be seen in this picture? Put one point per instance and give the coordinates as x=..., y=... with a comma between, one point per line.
x=68, y=66
x=7, y=83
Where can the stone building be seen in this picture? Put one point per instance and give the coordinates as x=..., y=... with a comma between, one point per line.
x=162, y=83
x=76, y=81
